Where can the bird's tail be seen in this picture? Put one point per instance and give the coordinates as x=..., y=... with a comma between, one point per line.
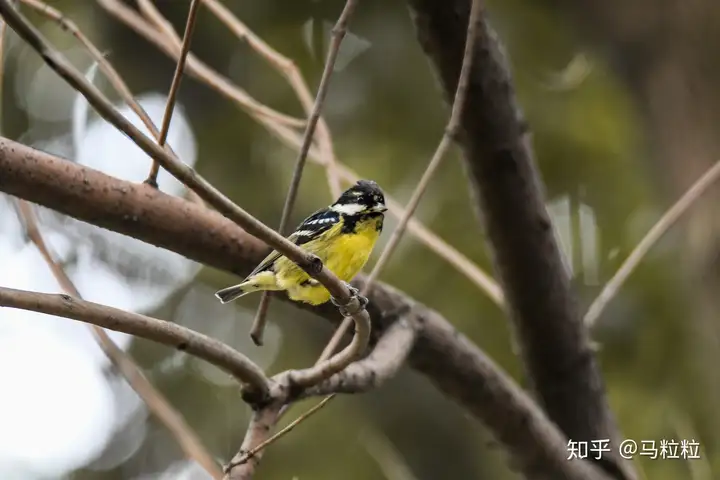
x=232, y=293
x=255, y=283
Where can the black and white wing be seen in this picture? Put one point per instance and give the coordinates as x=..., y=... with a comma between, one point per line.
x=314, y=226
x=310, y=228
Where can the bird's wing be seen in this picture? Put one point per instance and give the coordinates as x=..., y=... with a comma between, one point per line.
x=310, y=228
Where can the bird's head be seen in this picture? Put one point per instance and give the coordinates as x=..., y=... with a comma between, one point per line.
x=362, y=198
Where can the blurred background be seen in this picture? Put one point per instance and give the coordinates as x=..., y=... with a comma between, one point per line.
x=622, y=101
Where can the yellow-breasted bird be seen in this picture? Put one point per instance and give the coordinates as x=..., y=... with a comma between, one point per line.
x=341, y=235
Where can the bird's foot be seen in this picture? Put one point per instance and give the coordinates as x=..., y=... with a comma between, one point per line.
x=354, y=294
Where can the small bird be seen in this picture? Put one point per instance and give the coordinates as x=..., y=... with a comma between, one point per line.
x=341, y=235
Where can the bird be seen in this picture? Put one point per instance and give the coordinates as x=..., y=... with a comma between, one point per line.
x=342, y=235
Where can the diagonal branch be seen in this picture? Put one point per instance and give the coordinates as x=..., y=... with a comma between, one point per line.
x=248, y=454
x=105, y=66
x=171, y=44
x=155, y=401
x=499, y=160
x=287, y=68
x=175, y=87
x=256, y=332
x=669, y=218
x=453, y=363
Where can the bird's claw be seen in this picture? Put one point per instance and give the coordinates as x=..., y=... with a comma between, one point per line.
x=354, y=293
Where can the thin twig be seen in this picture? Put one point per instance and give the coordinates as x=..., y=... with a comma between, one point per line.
x=671, y=216
x=105, y=66
x=171, y=46
x=338, y=33
x=257, y=330
x=175, y=87
x=108, y=69
x=155, y=401
x=287, y=68
x=281, y=433
x=450, y=132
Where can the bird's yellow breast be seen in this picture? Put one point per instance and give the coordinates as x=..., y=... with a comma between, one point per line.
x=343, y=253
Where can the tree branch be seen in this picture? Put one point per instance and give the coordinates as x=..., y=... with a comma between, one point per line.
x=243, y=465
x=453, y=363
x=369, y=373
x=175, y=87
x=170, y=334
x=499, y=159
x=386, y=359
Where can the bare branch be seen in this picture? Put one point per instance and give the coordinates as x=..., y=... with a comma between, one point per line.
x=155, y=401
x=445, y=356
x=243, y=465
x=105, y=66
x=170, y=334
x=338, y=34
x=175, y=87
x=171, y=45
x=668, y=219
x=555, y=343
x=281, y=433
x=369, y=373
x=257, y=330
x=289, y=70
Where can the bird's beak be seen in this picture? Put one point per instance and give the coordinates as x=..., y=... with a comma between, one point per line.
x=380, y=207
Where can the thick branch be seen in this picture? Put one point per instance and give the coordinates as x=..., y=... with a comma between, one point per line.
x=451, y=361
x=160, y=331
x=243, y=466
x=499, y=159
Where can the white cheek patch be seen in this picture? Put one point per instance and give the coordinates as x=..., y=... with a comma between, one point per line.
x=348, y=209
